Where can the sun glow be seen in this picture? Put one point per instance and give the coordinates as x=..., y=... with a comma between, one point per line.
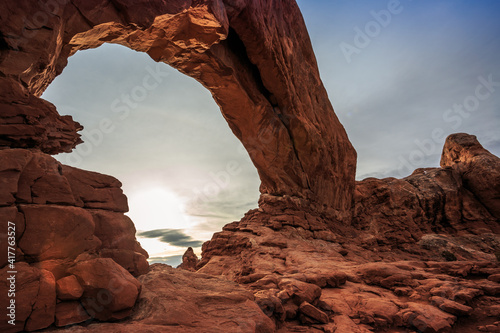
x=155, y=208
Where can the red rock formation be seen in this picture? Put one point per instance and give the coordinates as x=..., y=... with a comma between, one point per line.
x=223, y=45
x=70, y=313
x=478, y=168
x=401, y=211
x=294, y=139
x=68, y=288
x=322, y=253
x=425, y=219
x=109, y=291
x=189, y=260
x=459, y=199
x=31, y=122
x=35, y=298
x=62, y=217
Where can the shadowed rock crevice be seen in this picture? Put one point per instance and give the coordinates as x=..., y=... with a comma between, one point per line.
x=236, y=45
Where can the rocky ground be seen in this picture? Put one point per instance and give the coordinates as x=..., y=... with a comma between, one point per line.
x=430, y=266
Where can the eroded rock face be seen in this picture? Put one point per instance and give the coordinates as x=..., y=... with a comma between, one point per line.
x=31, y=122
x=35, y=298
x=420, y=254
x=460, y=200
x=478, y=168
x=300, y=149
x=433, y=200
x=254, y=71
x=109, y=291
x=175, y=300
x=65, y=218
x=68, y=218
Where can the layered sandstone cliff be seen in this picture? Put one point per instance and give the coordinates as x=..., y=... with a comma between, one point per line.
x=72, y=242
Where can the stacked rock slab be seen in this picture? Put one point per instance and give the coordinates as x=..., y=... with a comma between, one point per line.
x=72, y=241
x=460, y=198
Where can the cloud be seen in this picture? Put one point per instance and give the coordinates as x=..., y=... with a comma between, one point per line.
x=230, y=205
x=173, y=237
x=173, y=261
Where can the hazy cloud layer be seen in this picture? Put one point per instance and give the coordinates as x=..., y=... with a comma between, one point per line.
x=173, y=261
x=173, y=237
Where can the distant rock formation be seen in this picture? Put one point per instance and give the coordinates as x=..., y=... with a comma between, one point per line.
x=322, y=253
x=478, y=168
x=461, y=199
x=189, y=260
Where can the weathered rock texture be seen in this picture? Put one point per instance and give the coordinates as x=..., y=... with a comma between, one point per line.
x=433, y=239
x=71, y=238
x=255, y=58
x=419, y=257
x=175, y=300
x=320, y=254
x=478, y=169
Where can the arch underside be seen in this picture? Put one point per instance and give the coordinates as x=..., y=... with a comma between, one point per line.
x=264, y=77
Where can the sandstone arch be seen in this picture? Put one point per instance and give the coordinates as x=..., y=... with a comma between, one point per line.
x=263, y=76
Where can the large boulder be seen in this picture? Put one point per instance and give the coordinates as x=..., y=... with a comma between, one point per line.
x=109, y=291
x=57, y=232
x=34, y=294
x=479, y=169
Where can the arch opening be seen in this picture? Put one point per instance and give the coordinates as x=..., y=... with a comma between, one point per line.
x=264, y=78
x=160, y=133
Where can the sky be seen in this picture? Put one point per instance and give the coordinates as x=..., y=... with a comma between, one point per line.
x=401, y=75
